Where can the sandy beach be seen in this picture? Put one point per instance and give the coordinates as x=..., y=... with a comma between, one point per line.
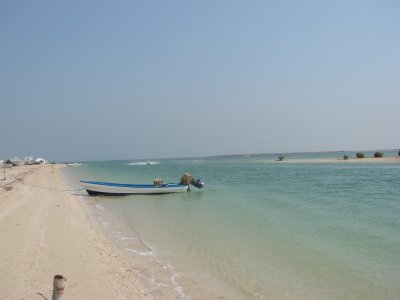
x=44, y=232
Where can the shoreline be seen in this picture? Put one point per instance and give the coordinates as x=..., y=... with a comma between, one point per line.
x=161, y=279
x=44, y=232
x=46, y=229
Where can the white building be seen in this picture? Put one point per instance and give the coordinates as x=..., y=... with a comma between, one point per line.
x=17, y=161
x=28, y=160
x=40, y=161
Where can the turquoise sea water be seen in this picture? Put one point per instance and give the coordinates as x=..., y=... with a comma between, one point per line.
x=261, y=229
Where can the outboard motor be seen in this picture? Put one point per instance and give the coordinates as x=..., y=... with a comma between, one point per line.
x=187, y=179
x=197, y=183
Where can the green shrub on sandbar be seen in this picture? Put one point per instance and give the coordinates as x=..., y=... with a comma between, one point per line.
x=378, y=154
x=345, y=157
x=360, y=155
x=281, y=157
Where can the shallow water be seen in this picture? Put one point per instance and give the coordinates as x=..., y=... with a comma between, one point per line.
x=263, y=230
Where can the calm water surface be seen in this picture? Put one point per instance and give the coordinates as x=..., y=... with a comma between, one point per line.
x=262, y=229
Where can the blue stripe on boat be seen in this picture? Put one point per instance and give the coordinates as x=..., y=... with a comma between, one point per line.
x=128, y=185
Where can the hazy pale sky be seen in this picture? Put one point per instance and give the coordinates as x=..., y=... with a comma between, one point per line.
x=88, y=80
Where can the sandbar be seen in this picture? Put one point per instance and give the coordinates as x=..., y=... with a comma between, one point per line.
x=373, y=160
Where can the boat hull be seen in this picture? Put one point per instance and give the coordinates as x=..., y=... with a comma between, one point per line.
x=109, y=188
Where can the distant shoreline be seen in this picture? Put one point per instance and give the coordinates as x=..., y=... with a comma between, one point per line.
x=390, y=159
x=303, y=153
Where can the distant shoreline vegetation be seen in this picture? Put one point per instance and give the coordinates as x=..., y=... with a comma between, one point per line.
x=274, y=155
x=360, y=155
x=347, y=153
x=377, y=154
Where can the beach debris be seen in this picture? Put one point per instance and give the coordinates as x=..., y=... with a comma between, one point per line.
x=58, y=287
x=41, y=295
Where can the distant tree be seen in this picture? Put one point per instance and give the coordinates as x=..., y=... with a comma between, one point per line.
x=360, y=155
x=345, y=157
x=281, y=157
x=378, y=154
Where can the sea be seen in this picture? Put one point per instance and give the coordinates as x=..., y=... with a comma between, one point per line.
x=259, y=229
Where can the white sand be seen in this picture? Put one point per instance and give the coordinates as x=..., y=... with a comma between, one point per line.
x=45, y=232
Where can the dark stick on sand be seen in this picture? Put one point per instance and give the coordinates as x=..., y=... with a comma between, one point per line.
x=58, y=287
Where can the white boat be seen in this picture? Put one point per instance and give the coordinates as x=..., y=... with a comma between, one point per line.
x=74, y=164
x=110, y=188
x=158, y=187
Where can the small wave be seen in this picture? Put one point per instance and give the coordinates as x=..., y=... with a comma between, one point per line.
x=144, y=253
x=126, y=238
x=178, y=288
x=175, y=280
x=143, y=163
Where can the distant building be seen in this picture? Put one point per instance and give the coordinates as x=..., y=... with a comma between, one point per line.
x=8, y=164
x=16, y=161
x=28, y=160
x=40, y=161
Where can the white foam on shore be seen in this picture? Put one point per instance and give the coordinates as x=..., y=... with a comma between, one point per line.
x=126, y=238
x=148, y=253
x=121, y=237
x=177, y=287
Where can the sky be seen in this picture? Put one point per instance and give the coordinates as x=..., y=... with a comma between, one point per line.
x=103, y=80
